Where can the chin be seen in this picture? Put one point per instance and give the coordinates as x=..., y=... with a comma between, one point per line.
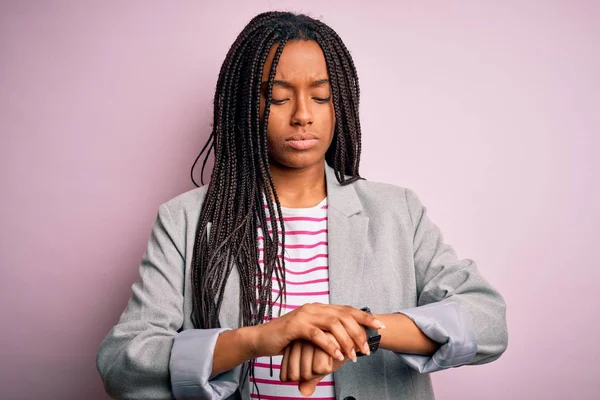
x=299, y=161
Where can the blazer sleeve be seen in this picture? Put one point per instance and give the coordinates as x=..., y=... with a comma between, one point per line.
x=456, y=306
x=147, y=355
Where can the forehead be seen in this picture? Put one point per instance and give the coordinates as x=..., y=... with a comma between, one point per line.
x=299, y=60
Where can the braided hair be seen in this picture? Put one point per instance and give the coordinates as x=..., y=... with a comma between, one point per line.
x=241, y=180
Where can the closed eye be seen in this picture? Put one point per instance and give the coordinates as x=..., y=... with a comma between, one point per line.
x=322, y=100
x=319, y=100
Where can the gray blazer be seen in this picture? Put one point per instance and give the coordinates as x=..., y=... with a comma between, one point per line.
x=384, y=252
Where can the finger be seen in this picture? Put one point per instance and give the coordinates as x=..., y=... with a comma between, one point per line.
x=283, y=372
x=357, y=333
x=364, y=318
x=322, y=363
x=335, y=361
x=320, y=339
x=294, y=361
x=307, y=388
x=332, y=338
x=338, y=330
x=306, y=361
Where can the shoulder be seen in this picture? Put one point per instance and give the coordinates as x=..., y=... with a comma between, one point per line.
x=387, y=199
x=183, y=211
x=188, y=201
x=379, y=192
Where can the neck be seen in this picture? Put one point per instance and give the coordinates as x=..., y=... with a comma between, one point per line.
x=299, y=187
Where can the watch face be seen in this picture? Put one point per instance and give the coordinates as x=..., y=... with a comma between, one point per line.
x=374, y=343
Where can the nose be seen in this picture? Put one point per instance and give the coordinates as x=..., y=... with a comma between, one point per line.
x=302, y=114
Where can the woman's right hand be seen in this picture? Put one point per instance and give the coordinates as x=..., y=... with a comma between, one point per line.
x=310, y=322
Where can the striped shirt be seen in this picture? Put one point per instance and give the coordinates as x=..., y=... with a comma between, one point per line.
x=307, y=281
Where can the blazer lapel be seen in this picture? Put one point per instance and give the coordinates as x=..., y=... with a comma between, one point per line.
x=347, y=233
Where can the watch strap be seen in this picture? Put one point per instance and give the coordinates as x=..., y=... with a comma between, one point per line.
x=373, y=336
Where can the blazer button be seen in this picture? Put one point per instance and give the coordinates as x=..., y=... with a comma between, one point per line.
x=349, y=398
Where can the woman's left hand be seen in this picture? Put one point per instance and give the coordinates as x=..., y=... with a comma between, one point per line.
x=307, y=364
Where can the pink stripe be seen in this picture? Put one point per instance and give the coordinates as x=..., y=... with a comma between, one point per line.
x=324, y=267
x=275, y=206
x=303, y=232
x=285, y=306
x=267, y=206
x=294, y=246
x=265, y=365
x=274, y=382
x=322, y=255
x=302, y=283
x=268, y=397
x=303, y=293
x=322, y=293
x=310, y=219
x=266, y=317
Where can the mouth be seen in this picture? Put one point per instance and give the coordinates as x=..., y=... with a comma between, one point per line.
x=302, y=136
x=302, y=141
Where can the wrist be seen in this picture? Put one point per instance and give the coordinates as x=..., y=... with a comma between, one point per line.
x=384, y=318
x=248, y=337
x=404, y=336
x=390, y=321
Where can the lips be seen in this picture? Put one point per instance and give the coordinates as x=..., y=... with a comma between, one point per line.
x=302, y=141
x=302, y=136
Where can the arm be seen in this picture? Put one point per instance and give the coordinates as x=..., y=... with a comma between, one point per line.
x=146, y=355
x=240, y=339
x=402, y=335
x=457, y=307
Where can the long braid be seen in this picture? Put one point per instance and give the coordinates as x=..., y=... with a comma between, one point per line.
x=241, y=195
x=347, y=158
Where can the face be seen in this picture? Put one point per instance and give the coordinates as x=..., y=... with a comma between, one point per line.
x=301, y=119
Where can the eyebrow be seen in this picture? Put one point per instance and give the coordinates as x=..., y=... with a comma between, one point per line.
x=288, y=85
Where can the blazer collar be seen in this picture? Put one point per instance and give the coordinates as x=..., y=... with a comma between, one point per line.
x=342, y=198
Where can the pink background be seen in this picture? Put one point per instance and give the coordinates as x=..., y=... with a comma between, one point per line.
x=488, y=110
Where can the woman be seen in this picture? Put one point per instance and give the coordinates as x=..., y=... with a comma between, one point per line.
x=227, y=309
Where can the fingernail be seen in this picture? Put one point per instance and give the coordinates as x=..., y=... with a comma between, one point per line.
x=366, y=349
x=380, y=324
x=339, y=355
x=353, y=355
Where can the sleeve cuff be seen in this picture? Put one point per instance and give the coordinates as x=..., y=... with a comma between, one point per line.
x=190, y=367
x=447, y=324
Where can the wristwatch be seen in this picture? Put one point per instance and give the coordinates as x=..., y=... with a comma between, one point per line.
x=373, y=337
